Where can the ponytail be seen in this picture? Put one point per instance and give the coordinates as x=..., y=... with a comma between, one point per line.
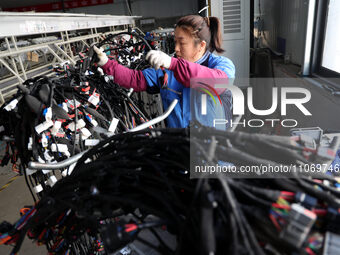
x=216, y=35
x=206, y=29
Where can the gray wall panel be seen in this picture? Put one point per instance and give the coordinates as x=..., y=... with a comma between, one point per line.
x=286, y=19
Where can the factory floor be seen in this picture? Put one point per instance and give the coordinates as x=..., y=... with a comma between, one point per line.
x=12, y=199
x=324, y=107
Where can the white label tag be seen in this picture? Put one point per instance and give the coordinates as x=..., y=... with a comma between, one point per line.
x=2, y=128
x=65, y=107
x=43, y=126
x=91, y=142
x=38, y=188
x=11, y=105
x=94, y=122
x=94, y=99
x=70, y=103
x=85, y=133
x=56, y=127
x=80, y=124
x=61, y=147
x=113, y=125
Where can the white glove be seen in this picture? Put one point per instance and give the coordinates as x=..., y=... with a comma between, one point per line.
x=158, y=58
x=101, y=56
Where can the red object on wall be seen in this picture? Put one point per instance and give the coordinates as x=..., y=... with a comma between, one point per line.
x=58, y=6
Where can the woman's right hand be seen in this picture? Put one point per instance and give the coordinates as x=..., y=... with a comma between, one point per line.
x=101, y=56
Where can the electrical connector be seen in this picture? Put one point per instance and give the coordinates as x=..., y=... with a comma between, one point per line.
x=306, y=200
x=299, y=224
x=114, y=237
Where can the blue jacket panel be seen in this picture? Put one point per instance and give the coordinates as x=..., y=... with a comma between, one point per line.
x=185, y=111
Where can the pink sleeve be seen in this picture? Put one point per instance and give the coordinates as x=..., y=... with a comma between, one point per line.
x=185, y=70
x=124, y=76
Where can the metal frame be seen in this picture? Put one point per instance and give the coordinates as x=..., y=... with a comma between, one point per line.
x=28, y=24
x=306, y=65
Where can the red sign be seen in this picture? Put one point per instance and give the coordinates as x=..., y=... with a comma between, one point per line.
x=58, y=6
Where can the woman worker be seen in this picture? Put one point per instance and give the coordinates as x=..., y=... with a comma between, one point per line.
x=196, y=38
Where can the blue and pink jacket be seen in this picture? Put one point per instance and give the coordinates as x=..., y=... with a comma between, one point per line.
x=179, y=75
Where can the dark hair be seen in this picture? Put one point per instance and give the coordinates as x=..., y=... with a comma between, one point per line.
x=206, y=29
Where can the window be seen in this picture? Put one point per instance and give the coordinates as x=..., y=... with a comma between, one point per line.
x=326, y=51
x=331, y=50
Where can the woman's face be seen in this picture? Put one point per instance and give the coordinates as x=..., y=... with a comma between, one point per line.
x=185, y=46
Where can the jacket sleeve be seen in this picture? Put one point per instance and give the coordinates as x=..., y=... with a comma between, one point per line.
x=124, y=76
x=184, y=71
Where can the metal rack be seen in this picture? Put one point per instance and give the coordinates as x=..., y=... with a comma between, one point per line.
x=27, y=25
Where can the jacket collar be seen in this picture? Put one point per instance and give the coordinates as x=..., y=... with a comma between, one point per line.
x=204, y=57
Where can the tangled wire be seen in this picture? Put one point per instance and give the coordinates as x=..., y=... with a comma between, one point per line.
x=134, y=191
x=51, y=119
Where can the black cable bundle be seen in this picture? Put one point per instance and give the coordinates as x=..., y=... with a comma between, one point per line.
x=55, y=118
x=134, y=190
x=127, y=48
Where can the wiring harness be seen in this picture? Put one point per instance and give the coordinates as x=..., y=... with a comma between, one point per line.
x=53, y=118
x=133, y=191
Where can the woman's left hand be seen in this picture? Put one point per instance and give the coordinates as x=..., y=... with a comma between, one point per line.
x=158, y=59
